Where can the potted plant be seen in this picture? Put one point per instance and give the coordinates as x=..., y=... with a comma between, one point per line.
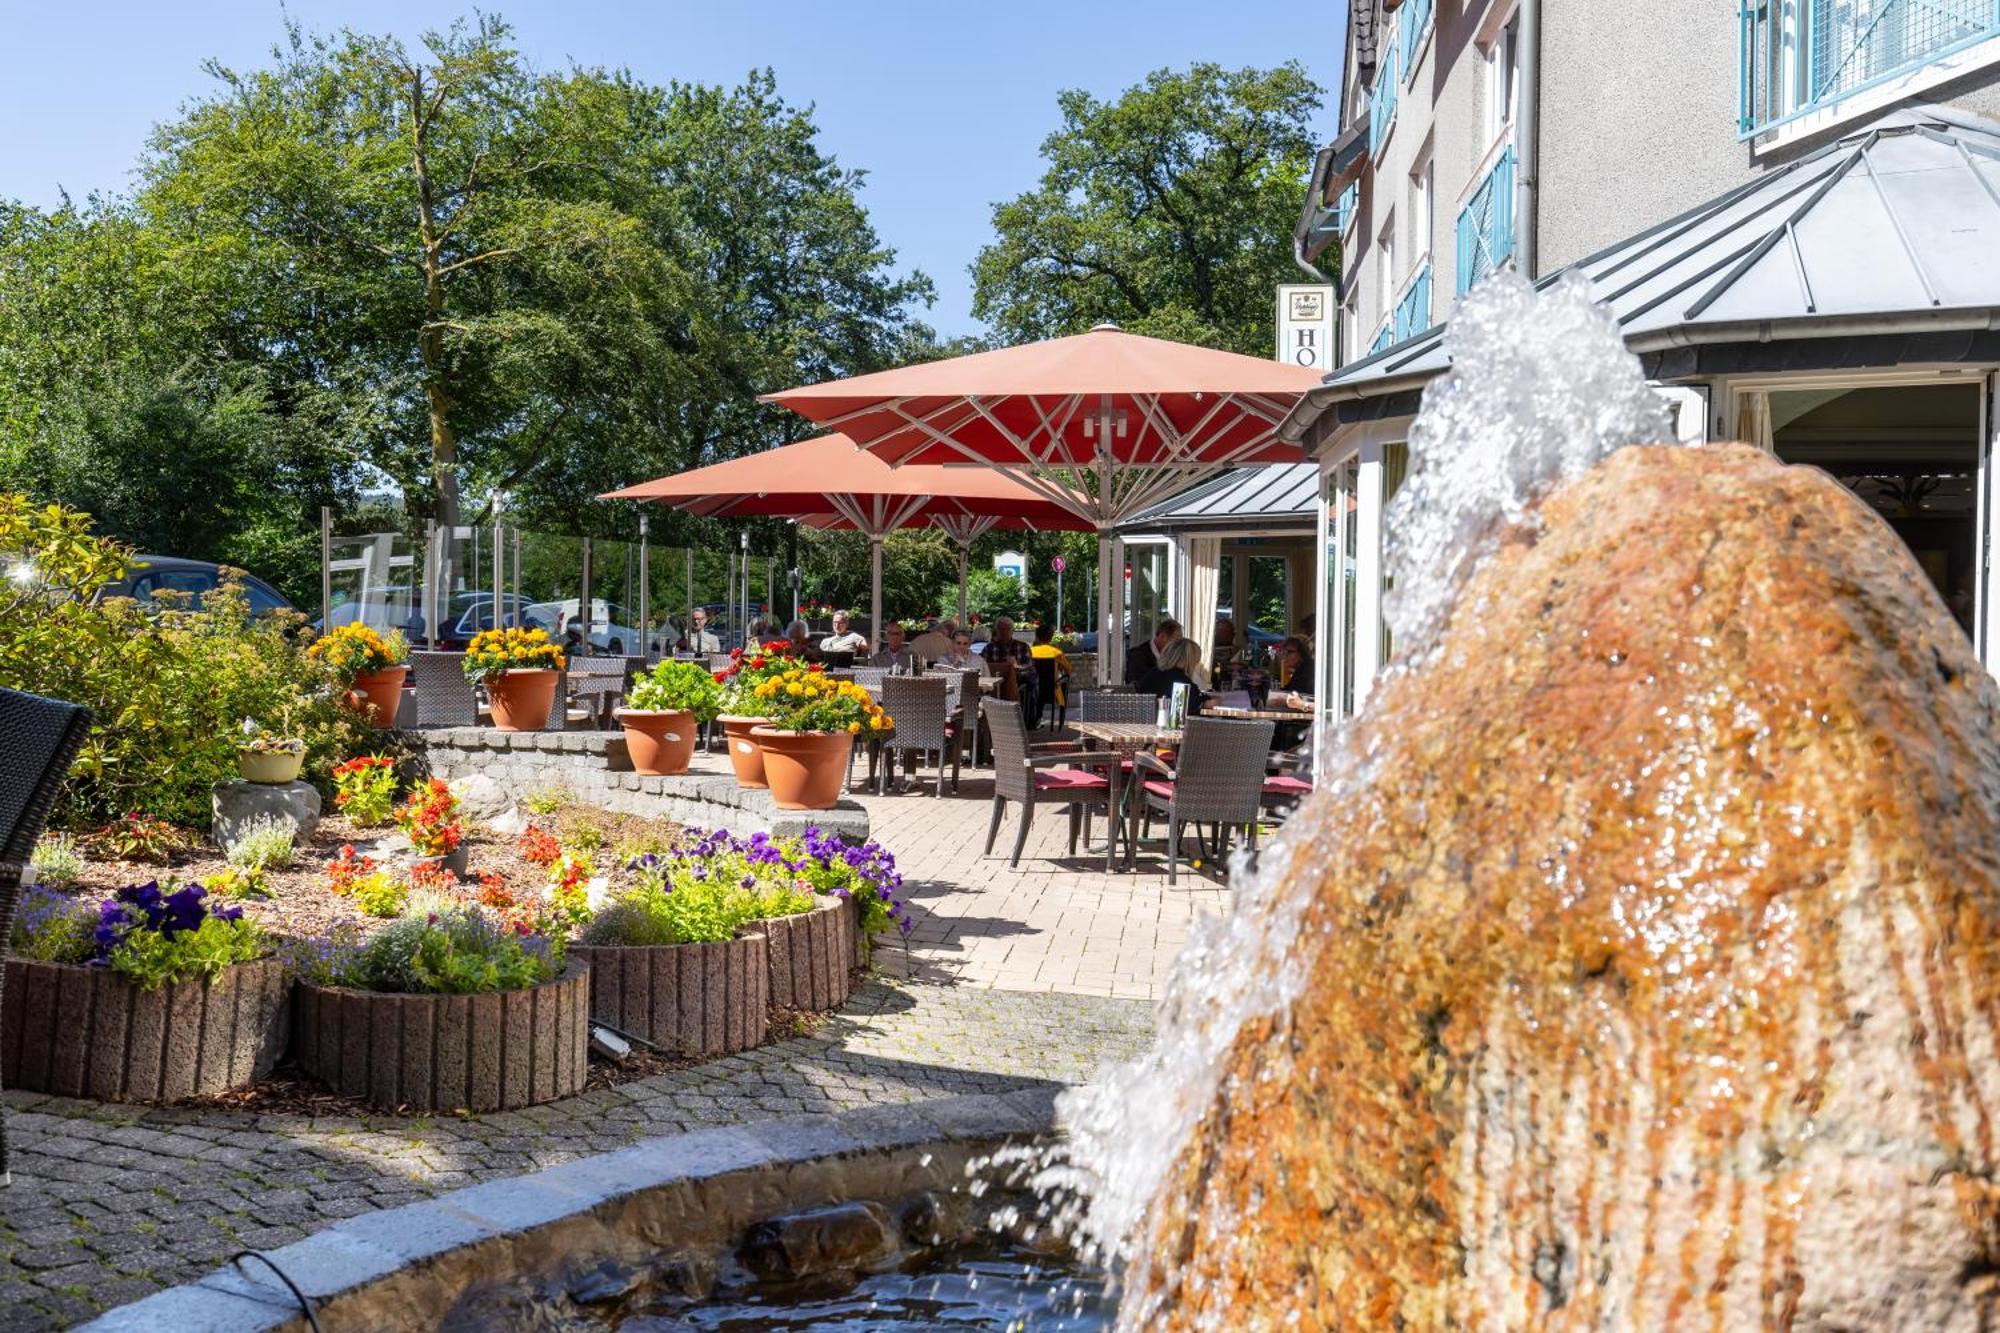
x=268, y=759
x=443, y=1010
x=429, y=819
x=370, y=667
x=519, y=668
x=153, y=994
x=662, y=712
x=742, y=711
x=806, y=743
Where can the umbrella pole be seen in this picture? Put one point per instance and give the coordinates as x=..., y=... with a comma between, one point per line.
x=875, y=590
x=1110, y=634
x=964, y=552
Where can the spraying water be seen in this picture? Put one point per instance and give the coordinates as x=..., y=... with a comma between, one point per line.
x=1541, y=389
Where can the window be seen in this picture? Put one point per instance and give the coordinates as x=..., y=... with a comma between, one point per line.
x=1420, y=209
x=1800, y=56
x=1503, y=82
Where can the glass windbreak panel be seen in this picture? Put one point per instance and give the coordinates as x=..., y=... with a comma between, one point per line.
x=1336, y=645
x=373, y=580
x=1912, y=453
x=1395, y=466
x=1145, y=588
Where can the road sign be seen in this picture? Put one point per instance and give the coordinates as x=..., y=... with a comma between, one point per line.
x=1058, y=564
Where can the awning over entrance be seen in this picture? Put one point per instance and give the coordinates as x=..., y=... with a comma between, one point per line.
x=1892, y=229
x=1255, y=498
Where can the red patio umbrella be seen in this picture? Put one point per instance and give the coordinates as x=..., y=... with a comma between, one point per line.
x=1103, y=424
x=828, y=482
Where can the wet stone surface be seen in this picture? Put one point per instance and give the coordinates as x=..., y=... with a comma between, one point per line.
x=110, y=1203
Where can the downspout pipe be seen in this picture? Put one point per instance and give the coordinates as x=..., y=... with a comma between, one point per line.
x=1527, y=139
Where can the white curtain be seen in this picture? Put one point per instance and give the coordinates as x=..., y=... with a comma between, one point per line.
x=1204, y=564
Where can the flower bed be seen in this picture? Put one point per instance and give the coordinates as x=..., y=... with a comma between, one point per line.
x=152, y=996
x=811, y=956
x=696, y=999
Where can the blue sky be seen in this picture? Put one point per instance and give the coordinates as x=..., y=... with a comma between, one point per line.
x=944, y=103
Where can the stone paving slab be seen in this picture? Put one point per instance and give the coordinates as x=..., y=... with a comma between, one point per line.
x=110, y=1203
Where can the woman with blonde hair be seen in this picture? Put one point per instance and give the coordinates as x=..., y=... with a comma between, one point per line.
x=1179, y=664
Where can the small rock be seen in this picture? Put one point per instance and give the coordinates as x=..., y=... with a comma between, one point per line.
x=481, y=798
x=845, y=1236
x=686, y=1276
x=602, y=1283
x=514, y=1306
x=508, y=822
x=234, y=806
x=931, y=1219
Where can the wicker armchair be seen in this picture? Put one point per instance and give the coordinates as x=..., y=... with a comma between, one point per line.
x=43, y=736
x=444, y=696
x=602, y=681
x=1067, y=779
x=921, y=707
x=1217, y=778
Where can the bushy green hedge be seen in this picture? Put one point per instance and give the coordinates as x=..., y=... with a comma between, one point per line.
x=168, y=689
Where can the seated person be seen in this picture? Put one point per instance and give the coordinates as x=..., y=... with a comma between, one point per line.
x=1295, y=666
x=1045, y=650
x=844, y=639
x=960, y=656
x=895, y=654
x=800, y=640
x=699, y=638
x=1145, y=656
x=1179, y=664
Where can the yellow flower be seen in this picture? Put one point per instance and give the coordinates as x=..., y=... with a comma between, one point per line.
x=853, y=728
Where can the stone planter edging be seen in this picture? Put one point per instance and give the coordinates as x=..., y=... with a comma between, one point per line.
x=77, y=1031
x=691, y=999
x=407, y=1266
x=812, y=956
x=493, y=1052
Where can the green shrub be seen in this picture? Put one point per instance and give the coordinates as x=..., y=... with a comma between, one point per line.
x=156, y=936
x=676, y=899
x=266, y=843
x=453, y=951
x=167, y=688
x=50, y=927
x=677, y=686
x=57, y=861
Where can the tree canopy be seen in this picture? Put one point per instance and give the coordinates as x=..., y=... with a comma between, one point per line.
x=439, y=269
x=1168, y=211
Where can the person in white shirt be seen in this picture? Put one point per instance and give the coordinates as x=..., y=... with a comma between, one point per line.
x=699, y=639
x=962, y=658
x=843, y=639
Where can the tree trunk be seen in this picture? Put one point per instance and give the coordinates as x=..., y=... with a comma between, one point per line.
x=430, y=338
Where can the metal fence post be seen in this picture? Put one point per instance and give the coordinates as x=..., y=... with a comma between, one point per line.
x=325, y=569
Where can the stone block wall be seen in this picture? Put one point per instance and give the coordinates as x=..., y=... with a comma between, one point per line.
x=494, y=769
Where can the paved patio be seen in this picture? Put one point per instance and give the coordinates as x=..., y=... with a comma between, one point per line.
x=1012, y=978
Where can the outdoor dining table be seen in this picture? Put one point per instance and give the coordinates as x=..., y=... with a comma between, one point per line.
x=1127, y=739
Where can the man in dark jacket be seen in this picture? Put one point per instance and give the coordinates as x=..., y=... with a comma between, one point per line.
x=1143, y=657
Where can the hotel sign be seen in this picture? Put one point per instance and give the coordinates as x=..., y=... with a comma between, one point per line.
x=1305, y=326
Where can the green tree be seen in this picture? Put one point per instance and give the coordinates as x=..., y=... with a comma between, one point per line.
x=1168, y=211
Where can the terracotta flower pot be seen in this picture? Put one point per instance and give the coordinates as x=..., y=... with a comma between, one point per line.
x=804, y=769
x=272, y=768
x=456, y=860
x=522, y=699
x=746, y=756
x=659, y=742
x=379, y=694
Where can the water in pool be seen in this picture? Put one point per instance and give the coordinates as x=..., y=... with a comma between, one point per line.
x=990, y=1284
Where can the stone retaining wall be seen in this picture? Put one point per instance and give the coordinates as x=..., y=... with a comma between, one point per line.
x=811, y=956
x=594, y=767
x=448, y=1052
x=692, y=999
x=79, y=1031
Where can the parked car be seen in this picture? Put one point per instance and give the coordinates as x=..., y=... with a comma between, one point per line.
x=610, y=624
x=149, y=575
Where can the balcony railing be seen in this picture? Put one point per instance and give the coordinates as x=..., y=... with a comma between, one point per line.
x=1344, y=206
x=1411, y=21
x=1413, y=312
x=1486, y=224
x=1382, y=97
x=1794, y=59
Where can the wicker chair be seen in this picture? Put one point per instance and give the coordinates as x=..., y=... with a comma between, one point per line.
x=558, y=719
x=1218, y=779
x=444, y=696
x=870, y=678
x=922, y=710
x=1116, y=706
x=1054, y=779
x=602, y=681
x=43, y=736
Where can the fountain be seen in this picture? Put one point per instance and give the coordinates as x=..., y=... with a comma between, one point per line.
x=1637, y=969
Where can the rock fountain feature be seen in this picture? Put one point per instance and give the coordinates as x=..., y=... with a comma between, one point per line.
x=1638, y=969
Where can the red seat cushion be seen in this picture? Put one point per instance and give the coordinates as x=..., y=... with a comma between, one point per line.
x=1284, y=784
x=1070, y=779
x=1160, y=787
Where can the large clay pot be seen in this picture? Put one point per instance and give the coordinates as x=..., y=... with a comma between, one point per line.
x=660, y=743
x=379, y=695
x=746, y=756
x=804, y=769
x=522, y=699
x=271, y=768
